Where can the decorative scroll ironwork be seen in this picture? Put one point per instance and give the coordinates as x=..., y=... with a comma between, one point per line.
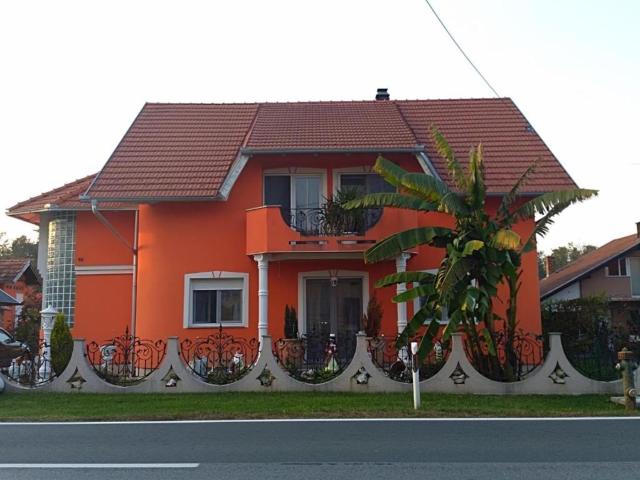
x=220, y=358
x=126, y=360
x=514, y=358
x=315, y=357
x=396, y=362
x=32, y=370
x=314, y=222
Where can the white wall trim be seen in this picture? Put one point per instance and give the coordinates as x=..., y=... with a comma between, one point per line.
x=104, y=270
x=214, y=275
x=302, y=291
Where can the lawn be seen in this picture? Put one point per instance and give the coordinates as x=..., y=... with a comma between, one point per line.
x=51, y=407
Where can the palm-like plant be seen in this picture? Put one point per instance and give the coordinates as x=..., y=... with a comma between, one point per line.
x=481, y=250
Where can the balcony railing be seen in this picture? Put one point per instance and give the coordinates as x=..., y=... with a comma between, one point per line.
x=318, y=222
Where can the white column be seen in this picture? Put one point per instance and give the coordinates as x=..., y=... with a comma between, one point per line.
x=263, y=294
x=47, y=318
x=401, y=266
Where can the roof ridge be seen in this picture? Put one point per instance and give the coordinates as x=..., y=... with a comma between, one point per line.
x=329, y=102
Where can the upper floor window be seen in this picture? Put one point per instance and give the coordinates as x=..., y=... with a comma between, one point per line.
x=617, y=268
x=365, y=183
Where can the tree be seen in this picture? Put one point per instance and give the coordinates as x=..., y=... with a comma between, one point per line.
x=20, y=247
x=562, y=256
x=481, y=250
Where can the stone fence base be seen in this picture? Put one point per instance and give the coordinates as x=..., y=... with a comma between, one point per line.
x=556, y=376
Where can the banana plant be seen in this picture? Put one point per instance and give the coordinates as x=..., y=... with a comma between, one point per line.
x=481, y=250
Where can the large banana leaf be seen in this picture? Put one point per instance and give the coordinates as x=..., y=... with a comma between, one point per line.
x=392, y=200
x=396, y=244
x=404, y=277
x=551, y=201
x=444, y=149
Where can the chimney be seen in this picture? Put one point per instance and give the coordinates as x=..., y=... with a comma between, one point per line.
x=382, y=94
x=548, y=265
x=638, y=229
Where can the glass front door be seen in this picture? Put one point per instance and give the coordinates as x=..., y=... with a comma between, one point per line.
x=333, y=311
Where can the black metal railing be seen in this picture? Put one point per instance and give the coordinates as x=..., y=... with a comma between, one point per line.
x=315, y=357
x=514, y=358
x=220, y=358
x=32, y=369
x=595, y=356
x=315, y=222
x=125, y=360
x=396, y=362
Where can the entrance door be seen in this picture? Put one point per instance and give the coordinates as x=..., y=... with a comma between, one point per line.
x=635, y=275
x=334, y=310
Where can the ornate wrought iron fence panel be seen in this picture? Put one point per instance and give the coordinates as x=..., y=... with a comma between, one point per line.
x=126, y=360
x=396, y=362
x=32, y=370
x=315, y=357
x=595, y=356
x=312, y=221
x=513, y=360
x=220, y=358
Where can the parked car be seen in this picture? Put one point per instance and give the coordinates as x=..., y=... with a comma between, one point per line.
x=10, y=348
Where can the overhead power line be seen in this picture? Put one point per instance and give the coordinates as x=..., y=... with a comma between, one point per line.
x=461, y=50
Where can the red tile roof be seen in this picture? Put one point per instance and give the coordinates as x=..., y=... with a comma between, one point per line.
x=175, y=150
x=318, y=126
x=185, y=151
x=510, y=144
x=586, y=264
x=11, y=269
x=66, y=197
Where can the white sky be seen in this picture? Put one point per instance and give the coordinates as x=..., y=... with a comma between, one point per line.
x=74, y=75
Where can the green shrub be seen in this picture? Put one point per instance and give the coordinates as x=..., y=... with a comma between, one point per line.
x=290, y=322
x=372, y=320
x=61, y=344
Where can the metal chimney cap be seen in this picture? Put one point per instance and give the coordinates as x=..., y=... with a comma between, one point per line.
x=382, y=94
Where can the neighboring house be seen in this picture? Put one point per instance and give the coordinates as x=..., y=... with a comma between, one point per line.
x=208, y=215
x=18, y=280
x=612, y=270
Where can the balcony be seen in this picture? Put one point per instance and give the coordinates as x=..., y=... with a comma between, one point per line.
x=272, y=229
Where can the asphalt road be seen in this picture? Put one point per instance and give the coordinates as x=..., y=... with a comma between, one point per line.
x=488, y=449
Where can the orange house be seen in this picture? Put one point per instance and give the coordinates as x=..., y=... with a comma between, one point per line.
x=19, y=281
x=208, y=215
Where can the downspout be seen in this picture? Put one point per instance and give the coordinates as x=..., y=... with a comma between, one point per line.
x=134, y=249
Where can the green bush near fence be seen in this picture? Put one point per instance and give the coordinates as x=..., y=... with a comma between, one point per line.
x=61, y=344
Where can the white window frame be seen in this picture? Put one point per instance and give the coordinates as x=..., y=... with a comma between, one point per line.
x=293, y=172
x=218, y=280
x=416, y=301
x=627, y=266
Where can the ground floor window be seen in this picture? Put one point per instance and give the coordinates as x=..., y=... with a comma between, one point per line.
x=216, y=298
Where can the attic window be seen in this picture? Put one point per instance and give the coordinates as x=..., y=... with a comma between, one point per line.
x=617, y=268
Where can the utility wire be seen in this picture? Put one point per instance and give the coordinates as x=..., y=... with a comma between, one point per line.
x=461, y=50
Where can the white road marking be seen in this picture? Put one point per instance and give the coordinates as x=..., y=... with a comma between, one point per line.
x=325, y=420
x=96, y=465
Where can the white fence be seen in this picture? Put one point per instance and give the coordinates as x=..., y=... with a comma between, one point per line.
x=555, y=376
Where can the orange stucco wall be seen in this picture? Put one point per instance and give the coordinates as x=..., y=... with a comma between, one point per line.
x=103, y=302
x=180, y=238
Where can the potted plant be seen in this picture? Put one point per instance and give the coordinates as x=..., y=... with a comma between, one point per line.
x=336, y=220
